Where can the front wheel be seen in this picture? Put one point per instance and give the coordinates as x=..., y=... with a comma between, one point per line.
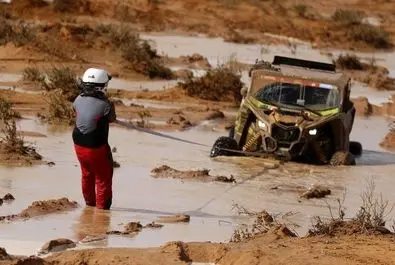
x=355, y=148
x=342, y=158
x=223, y=146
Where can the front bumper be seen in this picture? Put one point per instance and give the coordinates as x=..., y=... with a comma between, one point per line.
x=289, y=142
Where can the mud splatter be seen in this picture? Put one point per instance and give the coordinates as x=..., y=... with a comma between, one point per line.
x=115, y=164
x=40, y=208
x=183, y=218
x=56, y=245
x=134, y=227
x=153, y=225
x=165, y=171
x=316, y=192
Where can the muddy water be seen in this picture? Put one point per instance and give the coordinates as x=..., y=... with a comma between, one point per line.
x=218, y=51
x=138, y=197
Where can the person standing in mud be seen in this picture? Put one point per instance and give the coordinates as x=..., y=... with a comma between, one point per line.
x=94, y=112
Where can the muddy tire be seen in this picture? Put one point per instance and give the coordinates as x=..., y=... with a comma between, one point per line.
x=355, y=148
x=232, y=132
x=342, y=158
x=226, y=143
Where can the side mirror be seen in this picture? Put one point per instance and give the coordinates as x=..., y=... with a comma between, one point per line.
x=243, y=91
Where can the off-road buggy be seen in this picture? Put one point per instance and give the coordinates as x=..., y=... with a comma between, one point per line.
x=294, y=109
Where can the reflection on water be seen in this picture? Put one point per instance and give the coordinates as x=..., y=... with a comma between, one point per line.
x=92, y=222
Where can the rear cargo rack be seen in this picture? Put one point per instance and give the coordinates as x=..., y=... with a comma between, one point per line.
x=278, y=60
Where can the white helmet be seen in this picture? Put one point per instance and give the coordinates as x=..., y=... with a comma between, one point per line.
x=95, y=79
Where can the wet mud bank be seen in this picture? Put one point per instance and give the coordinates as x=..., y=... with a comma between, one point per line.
x=165, y=171
x=41, y=208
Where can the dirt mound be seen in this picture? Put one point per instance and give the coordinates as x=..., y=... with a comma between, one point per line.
x=39, y=208
x=183, y=218
x=153, y=225
x=217, y=114
x=316, y=192
x=47, y=207
x=179, y=120
x=134, y=227
x=165, y=171
x=365, y=108
x=196, y=61
x=56, y=245
x=389, y=141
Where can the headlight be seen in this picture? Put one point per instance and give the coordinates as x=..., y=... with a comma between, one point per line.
x=262, y=125
x=313, y=132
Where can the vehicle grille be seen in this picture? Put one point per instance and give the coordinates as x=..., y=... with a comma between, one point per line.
x=282, y=134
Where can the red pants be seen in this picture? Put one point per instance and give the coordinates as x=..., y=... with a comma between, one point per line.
x=97, y=171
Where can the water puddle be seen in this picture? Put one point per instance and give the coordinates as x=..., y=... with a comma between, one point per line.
x=117, y=83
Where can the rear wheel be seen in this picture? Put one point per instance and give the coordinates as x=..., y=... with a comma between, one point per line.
x=342, y=158
x=355, y=148
x=223, y=146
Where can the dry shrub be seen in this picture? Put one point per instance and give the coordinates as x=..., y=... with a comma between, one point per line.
x=263, y=223
x=139, y=54
x=19, y=34
x=348, y=17
x=6, y=111
x=349, y=62
x=60, y=110
x=38, y=3
x=12, y=143
x=301, y=10
x=218, y=84
x=32, y=74
x=370, y=219
x=372, y=35
x=64, y=6
x=63, y=78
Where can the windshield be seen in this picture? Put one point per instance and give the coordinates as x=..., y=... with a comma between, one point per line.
x=314, y=98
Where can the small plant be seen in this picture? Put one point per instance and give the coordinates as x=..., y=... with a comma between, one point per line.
x=263, y=223
x=6, y=111
x=63, y=78
x=38, y=3
x=218, y=84
x=143, y=115
x=12, y=143
x=370, y=218
x=64, y=6
x=348, y=17
x=301, y=10
x=349, y=62
x=60, y=110
x=138, y=53
x=372, y=35
x=374, y=208
x=33, y=74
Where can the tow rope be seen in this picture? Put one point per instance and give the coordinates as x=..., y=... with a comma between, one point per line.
x=145, y=130
x=149, y=131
